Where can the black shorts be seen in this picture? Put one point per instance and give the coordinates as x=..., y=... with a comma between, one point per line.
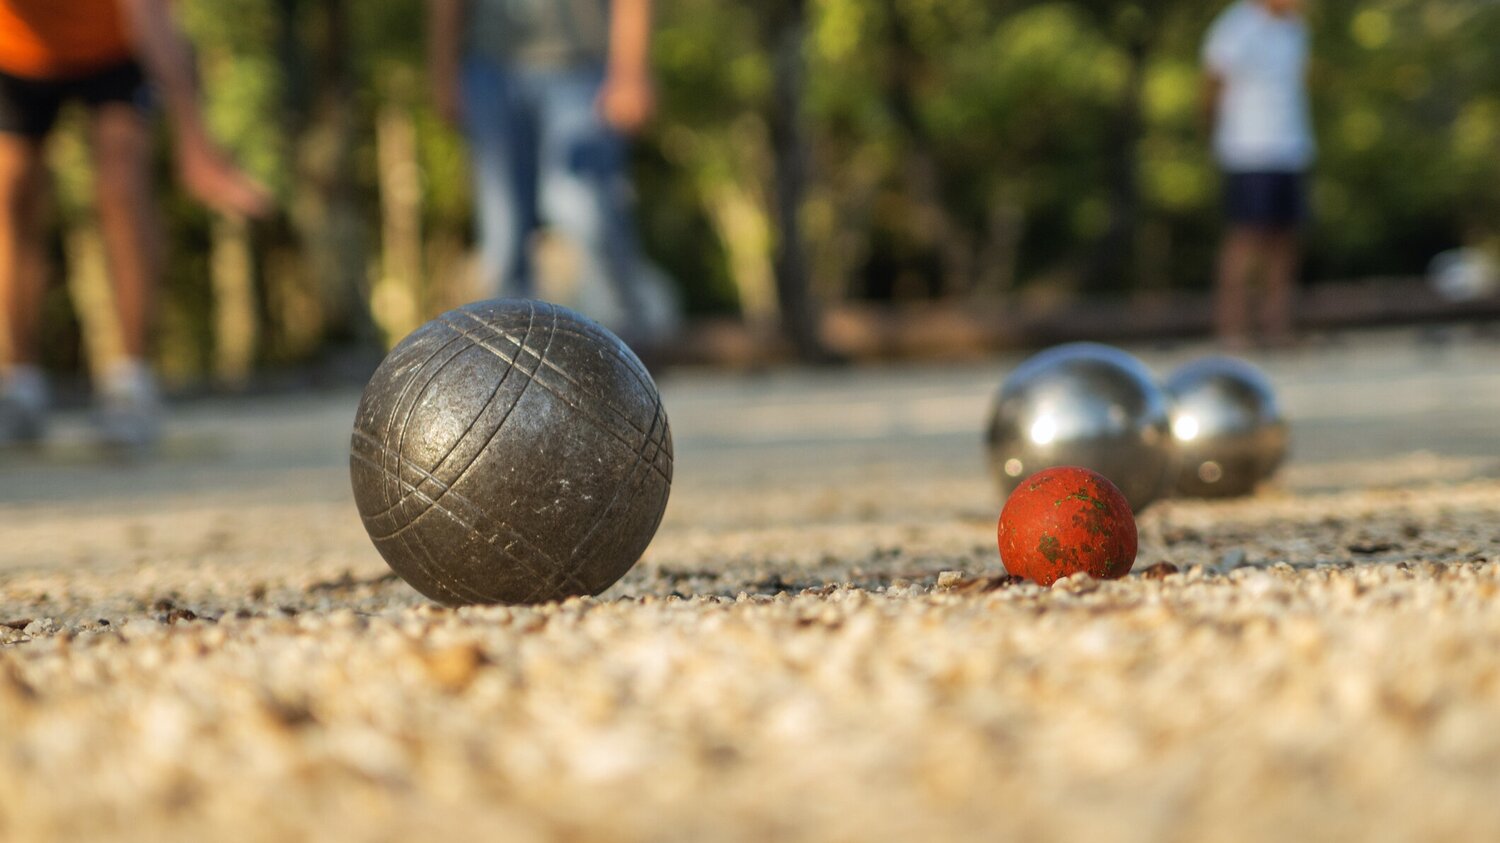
x=29, y=107
x=1274, y=199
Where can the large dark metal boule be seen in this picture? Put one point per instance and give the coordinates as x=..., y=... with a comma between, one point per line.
x=511, y=451
x=1088, y=405
x=1228, y=426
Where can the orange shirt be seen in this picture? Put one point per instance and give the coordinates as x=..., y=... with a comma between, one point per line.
x=51, y=39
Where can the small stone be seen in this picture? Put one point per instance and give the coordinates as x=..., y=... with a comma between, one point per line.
x=1232, y=558
x=41, y=626
x=1160, y=571
x=453, y=668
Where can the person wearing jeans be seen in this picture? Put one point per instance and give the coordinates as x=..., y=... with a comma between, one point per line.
x=546, y=92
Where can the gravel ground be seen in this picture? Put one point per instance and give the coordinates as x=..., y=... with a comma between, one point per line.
x=819, y=645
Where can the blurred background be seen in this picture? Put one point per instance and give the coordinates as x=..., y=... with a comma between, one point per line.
x=1000, y=172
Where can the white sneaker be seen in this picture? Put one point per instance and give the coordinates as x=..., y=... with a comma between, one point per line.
x=24, y=402
x=129, y=414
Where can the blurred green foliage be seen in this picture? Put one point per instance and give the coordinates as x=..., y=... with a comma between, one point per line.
x=959, y=148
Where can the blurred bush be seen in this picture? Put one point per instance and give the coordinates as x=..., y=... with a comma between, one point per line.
x=957, y=148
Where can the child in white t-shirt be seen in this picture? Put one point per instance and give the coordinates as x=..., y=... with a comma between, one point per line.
x=1256, y=56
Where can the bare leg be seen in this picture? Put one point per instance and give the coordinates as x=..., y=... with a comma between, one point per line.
x=1283, y=255
x=23, y=259
x=1242, y=246
x=127, y=217
x=129, y=411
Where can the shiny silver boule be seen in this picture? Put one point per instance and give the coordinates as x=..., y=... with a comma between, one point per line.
x=1087, y=405
x=511, y=451
x=1228, y=427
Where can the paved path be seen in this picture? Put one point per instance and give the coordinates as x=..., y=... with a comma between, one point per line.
x=1371, y=397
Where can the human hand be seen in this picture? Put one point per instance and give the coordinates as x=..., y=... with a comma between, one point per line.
x=213, y=179
x=626, y=101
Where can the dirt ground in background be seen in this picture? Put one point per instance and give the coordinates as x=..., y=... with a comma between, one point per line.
x=815, y=648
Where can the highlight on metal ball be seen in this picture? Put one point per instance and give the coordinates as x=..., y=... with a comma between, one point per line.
x=1088, y=405
x=1228, y=427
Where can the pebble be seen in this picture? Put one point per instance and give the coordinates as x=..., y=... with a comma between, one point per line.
x=868, y=676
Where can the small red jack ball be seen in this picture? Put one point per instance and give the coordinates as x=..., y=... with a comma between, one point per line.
x=1064, y=520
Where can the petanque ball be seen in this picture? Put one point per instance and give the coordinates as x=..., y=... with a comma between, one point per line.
x=511, y=451
x=1064, y=521
x=1228, y=426
x=1088, y=405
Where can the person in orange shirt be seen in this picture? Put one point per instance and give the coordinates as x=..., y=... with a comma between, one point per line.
x=100, y=53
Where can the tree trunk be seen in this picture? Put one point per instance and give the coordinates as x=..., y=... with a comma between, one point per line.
x=396, y=301
x=743, y=228
x=799, y=313
x=1111, y=267
x=932, y=221
x=450, y=271
x=294, y=323
x=295, y=304
x=93, y=299
x=999, y=256
x=235, y=319
x=326, y=209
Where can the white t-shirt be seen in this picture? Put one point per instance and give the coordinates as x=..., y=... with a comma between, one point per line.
x=1263, y=121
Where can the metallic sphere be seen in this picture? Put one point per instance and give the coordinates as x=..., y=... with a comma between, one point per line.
x=511, y=451
x=1084, y=405
x=1464, y=275
x=1228, y=426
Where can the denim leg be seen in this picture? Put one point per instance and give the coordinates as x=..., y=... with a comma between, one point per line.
x=502, y=135
x=585, y=192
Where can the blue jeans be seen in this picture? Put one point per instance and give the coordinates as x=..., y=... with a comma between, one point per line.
x=540, y=150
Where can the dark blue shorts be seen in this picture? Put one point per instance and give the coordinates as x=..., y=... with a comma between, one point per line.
x=1276, y=199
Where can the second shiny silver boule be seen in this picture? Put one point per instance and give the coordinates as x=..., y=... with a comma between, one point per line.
x=1229, y=429
x=1087, y=405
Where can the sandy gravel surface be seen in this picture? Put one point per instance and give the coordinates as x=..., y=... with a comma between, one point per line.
x=817, y=647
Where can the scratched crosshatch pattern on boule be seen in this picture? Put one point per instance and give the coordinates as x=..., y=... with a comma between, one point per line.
x=511, y=451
